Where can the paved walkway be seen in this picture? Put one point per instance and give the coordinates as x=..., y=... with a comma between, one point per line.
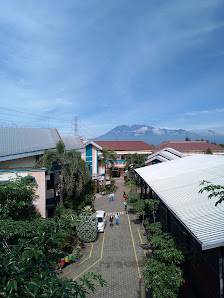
x=117, y=253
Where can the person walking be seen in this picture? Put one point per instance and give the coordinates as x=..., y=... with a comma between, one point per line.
x=112, y=197
x=117, y=220
x=109, y=198
x=124, y=194
x=125, y=205
x=111, y=221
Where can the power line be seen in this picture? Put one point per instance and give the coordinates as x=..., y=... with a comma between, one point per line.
x=87, y=132
x=34, y=115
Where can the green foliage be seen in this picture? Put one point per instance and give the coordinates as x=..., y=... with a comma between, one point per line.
x=187, y=139
x=35, y=247
x=162, y=271
x=108, y=158
x=133, y=197
x=106, y=188
x=208, y=151
x=139, y=207
x=153, y=206
x=132, y=186
x=134, y=161
x=214, y=191
x=165, y=280
x=74, y=175
x=86, y=197
x=87, y=210
x=16, y=199
x=87, y=229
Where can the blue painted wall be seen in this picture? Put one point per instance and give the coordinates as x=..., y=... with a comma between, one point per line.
x=89, y=157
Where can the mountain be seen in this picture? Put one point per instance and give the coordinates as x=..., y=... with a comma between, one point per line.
x=156, y=136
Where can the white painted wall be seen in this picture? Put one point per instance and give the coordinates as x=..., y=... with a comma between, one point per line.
x=26, y=162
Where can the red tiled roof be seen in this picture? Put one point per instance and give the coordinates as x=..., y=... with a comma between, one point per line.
x=189, y=146
x=125, y=145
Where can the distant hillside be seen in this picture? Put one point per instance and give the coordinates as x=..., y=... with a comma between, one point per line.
x=155, y=136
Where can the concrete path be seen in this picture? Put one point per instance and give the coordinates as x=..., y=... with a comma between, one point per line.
x=117, y=253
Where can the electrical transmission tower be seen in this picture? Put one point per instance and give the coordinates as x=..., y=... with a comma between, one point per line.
x=76, y=126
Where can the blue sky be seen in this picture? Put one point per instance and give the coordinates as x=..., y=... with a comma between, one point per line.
x=153, y=62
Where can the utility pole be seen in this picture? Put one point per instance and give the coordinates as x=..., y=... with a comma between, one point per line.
x=76, y=125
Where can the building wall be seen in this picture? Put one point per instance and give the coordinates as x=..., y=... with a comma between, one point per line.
x=94, y=160
x=89, y=156
x=188, y=153
x=201, y=269
x=83, y=155
x=26, y=162
x=40, y=203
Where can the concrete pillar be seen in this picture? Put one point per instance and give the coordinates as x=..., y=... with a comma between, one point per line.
x=142, y=288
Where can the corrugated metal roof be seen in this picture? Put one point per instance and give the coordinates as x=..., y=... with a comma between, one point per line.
x=165, y=154
x=72, y=142
x=16, y=142
x=177, y=184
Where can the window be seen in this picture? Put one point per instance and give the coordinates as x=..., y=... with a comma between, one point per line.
x=50, y=183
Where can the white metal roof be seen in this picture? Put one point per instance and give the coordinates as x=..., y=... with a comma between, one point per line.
x=177, y=184
x=166, y=154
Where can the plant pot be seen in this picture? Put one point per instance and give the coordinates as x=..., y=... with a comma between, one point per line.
x=62, y=262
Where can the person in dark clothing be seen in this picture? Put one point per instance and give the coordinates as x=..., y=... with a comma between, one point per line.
x=111, y=221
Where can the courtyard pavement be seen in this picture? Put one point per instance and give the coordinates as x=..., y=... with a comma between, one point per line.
x=117, y=253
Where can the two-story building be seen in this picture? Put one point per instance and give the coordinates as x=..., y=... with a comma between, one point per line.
x=20, y=149
x=122, y=148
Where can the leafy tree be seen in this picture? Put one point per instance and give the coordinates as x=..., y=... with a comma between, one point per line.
x=165, y=280
x=153, y=205
x=29, y=269
x=134, y=161
x=208, y=151
x=108, y=157
x=162, y=270
x=16, y=198
x=214, y=191
x=187, y=139
x=74, y=171
x=132, y=186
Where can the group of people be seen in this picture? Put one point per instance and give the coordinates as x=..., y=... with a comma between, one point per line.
x=111, y=197
x=112, y=220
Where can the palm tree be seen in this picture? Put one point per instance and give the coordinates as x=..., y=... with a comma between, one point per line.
x=108, y=157
x=134, y=161
x=74, y=172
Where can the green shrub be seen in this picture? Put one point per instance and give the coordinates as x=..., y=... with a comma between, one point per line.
x=133, y=197
x=162, y=270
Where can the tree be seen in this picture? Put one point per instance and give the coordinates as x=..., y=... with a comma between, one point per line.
x=187, y=139
x=29, y=269
x=134, y=161
x=132, y=186
x=214, y=190
x=108, y=157
x=208, y=151
x=74, y=171
x=16, y=198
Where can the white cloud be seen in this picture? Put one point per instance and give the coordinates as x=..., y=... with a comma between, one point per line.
x=157, y=131
x=141, y=130
x=201, y=112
